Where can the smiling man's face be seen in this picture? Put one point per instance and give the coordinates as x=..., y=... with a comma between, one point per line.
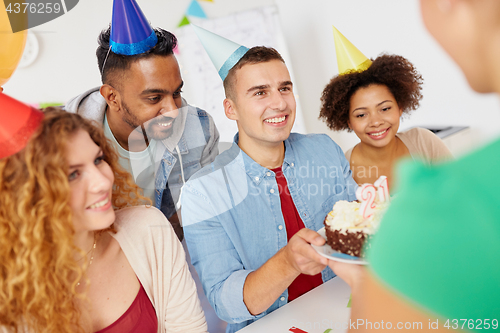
x=264, y=104
x=150, y=96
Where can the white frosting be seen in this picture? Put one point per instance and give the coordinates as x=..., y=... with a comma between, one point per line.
x=346, y=217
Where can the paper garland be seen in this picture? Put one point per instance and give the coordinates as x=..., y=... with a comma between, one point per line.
x=184, y=21
x=194, y=10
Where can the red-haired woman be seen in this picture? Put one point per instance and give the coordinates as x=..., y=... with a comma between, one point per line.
x=70, y=261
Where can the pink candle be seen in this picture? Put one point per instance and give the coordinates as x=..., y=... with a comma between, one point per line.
x=366, y=194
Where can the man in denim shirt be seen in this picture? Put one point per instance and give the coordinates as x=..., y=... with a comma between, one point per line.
x=161, y=140
x=238, y=211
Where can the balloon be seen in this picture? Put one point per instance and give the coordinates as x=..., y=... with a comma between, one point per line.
x=11, y=46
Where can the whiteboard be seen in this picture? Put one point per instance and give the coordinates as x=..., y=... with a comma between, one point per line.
x=202, y=84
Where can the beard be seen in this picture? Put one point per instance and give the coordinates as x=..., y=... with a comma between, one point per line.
x=157, y=128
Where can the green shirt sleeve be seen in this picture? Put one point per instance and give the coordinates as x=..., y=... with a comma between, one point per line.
x=439, y=243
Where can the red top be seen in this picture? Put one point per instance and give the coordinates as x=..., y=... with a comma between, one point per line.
x=139, y=317
x=303, y=283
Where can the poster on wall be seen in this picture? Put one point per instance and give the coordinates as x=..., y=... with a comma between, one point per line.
x=203, y=86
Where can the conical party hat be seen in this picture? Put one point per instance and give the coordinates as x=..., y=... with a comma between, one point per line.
x=223, y=52
x=131, y=33
x=19, y=122
x=349, y=58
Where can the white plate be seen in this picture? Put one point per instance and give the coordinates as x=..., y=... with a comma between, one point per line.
x=327, y=252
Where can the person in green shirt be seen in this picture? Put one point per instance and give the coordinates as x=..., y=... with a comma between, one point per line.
x=434, y=263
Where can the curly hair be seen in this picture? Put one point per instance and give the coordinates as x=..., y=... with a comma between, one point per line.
x=38, y=271
x=393, y=71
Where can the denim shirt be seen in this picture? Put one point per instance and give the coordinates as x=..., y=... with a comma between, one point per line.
x=233, y=221
x=198, y=147
x=198, y=144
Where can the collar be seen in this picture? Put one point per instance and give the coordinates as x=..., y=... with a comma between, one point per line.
x=289, y=160
x=257, y=172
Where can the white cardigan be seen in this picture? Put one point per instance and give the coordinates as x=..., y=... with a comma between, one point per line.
x=159, y=261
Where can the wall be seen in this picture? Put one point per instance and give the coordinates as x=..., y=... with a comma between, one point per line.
x=66, y=65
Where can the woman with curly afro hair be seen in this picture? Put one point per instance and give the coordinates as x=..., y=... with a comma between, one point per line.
x=74, y=257
x=434, y=253
x=371, y=103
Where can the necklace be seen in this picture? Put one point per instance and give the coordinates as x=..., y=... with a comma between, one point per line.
x=91, y=254
x=92, y=250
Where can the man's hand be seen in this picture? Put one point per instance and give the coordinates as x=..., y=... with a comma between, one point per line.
x=301, y=256
x=263, y=286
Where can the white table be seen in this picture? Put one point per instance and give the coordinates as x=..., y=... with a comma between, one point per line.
x=314, y=312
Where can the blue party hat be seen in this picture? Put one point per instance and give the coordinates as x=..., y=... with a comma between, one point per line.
x=223, y=52
x=131, y=33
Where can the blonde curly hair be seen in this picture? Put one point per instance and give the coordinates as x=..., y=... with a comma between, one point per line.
x=38, y=272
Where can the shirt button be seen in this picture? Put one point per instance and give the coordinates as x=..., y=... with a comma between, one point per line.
x=292, y=164
x=280, y=227
x=256, y=179
x=272, y=190
x=282, y=298
x=268, y=174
